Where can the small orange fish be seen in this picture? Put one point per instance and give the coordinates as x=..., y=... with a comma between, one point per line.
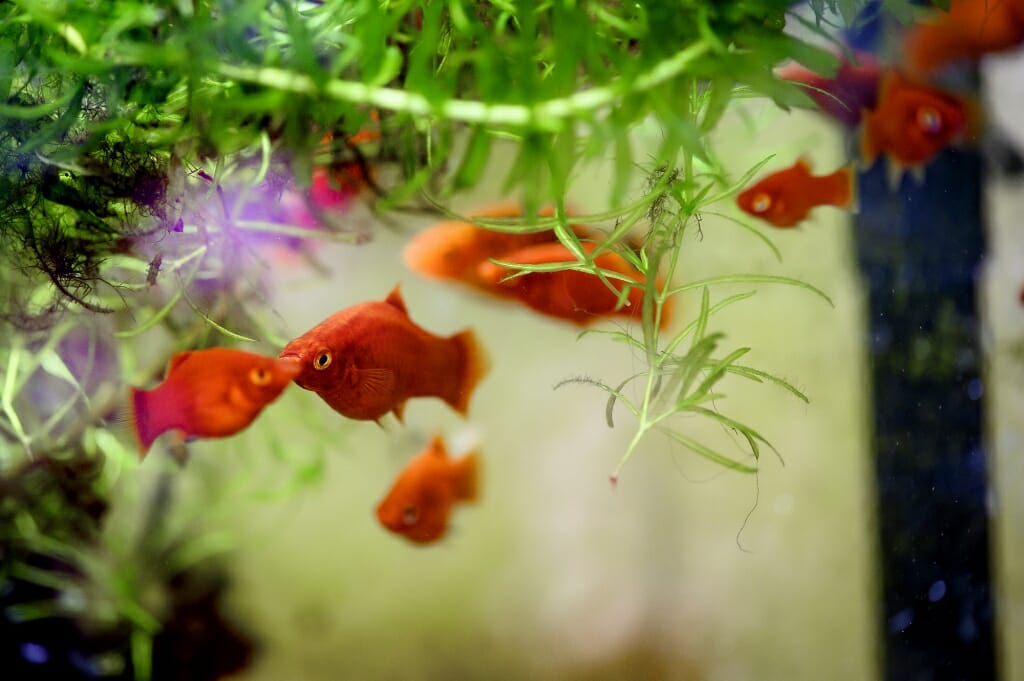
x=452, y=250
x=368, y=359
x=784, y=198
x=578, y=297
x=969, y=30
x=913, y=122
x=419, y=502
x=208, y=393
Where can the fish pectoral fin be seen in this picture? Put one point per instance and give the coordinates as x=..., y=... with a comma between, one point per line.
x=893, y=174
x=399, y=410
x=375, y=381
x=238, y=398
x=176, y=359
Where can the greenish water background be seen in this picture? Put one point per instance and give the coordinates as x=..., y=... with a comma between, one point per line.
x=554, y=575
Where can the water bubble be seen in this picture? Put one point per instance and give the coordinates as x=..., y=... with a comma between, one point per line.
x=975, y=389
x=901, y=620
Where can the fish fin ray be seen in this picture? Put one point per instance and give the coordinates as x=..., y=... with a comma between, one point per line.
x=474, y=366
x=395, y=300
x=468, y=477
x=869, y=149
x=136, y=416
x=176, y=360
x=376, y=381
x=437, y=447
x=854, y=203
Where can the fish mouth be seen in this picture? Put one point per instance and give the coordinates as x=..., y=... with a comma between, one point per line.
x=290, y=364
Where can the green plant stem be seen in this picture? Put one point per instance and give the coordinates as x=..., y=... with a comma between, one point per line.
x=548, y=115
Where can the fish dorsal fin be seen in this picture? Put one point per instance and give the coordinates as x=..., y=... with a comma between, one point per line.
x=395, y=300
x=176, y=359
x=804, y=163
x=437, y=448
x=890, y=80
x=375, y=381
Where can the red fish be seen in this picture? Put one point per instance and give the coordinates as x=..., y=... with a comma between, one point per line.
x=969, y=30
x=913, y=122
x=368, y=359
x=578, y=297
x=419, y=502
x=785, y=198
x=845, y=95
x=208, y=393
x=452, y=250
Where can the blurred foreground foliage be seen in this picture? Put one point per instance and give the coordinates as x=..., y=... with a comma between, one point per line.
x=142, y=142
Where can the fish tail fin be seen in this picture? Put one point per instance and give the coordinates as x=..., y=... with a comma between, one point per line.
x=853, y=203
x=474, y=365
x=845, y=187
x=869, y=147
x=667, y=311
x=137, y=414
x=974, y=120
x=468, y=477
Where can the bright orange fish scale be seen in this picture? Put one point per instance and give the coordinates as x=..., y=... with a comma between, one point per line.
x=786, y=197
x=420, y=501
x=912, y=122
x=578, y=297
x=208, y=393
x=969, y=30
x=452, y=250
x=379, y=358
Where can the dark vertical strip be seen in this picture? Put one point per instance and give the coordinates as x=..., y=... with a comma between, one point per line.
x=919, y=249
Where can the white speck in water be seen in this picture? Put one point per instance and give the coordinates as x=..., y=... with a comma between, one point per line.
x=936, y=591
x=975, y=389
x=901, y=620
x=783, y=504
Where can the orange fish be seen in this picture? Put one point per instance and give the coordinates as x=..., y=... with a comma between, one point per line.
x=578, y=297
x=208, y=393
x=334, y=188
x=845, y=95
x=969, y=30
x=368, y=359
x=784, y=198
x=913, y=122
x=419, y=503
x=452, y=250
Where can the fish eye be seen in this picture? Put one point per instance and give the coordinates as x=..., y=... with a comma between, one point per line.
x=929, y=119
x=761, y=203
x=323, y=360
x=259, y=376
x=410, y=514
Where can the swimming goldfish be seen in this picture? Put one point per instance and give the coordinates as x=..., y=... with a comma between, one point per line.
x=969, y=30
x=420, y=500
x=208, y=393
x=784, y=198
x=453, y=249
x=913, y=122
x=578, y=297
x=368, y=359
x=845, y=95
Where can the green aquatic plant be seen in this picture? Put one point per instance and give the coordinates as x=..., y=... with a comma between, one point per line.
x=146, y=147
